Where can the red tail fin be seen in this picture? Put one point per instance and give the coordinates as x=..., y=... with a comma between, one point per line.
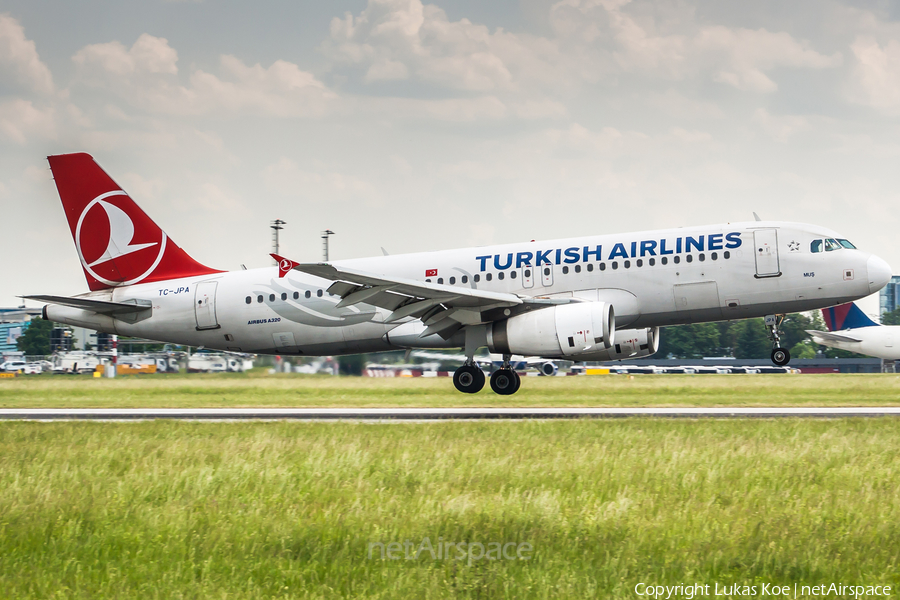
x=117, y=243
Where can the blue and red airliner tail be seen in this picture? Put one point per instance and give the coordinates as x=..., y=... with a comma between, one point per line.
x=846, y=316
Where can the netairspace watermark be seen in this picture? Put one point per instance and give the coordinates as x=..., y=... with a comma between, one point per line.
x=689, y=591
x=443, y=550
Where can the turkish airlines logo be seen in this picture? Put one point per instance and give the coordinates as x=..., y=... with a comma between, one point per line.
x=105, y=233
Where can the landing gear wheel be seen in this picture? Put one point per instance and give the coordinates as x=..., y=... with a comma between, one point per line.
x=505, y=382
x=468, y=379
x=518, y=382
x=780, y=356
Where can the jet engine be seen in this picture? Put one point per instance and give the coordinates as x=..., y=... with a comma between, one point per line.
x=629, y=343
x=561, y=331
x=548, y=369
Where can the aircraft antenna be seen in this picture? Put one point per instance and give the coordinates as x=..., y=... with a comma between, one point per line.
x=276, y=227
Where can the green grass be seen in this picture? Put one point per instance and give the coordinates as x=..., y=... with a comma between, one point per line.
x=195, y=391
x=285, y=510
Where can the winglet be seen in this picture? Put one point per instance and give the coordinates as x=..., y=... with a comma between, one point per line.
x=285, y=265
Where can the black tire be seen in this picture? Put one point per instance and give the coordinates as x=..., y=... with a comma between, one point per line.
x=781, y=356
x=503, y=382
x=518, y=383
x=468, y=379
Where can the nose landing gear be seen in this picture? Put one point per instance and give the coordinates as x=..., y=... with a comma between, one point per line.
x=780, y=356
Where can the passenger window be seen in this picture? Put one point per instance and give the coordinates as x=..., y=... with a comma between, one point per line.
x=602, y=266
x=590, y=267
x=283, y=296
x=296, y=295
x=452, y=280
x=815, y=246
x=676, y=259
x=831, y=245
x=488, y=277
x=271, y=297
x=578, y=268
x=500, y=275
x=846, y=244
x=465, y=279
x=615, y=265
x=528, y=272
x=477, y=278
x=319, y=293
x=726, y=255
x=689, y=258
x=249, y=299
x=702, y=257
x=307, y=294
x=440, y=280
x=714, y=256
x=627, y=264
x=259, y=298
x=513, y=274
x=546, y=270
x=664, y=260
x=565, y=271
x=652, y=261
x=640, y=262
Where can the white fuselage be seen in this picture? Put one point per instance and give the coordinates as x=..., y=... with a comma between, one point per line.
x=712, y=273
x=880, y=341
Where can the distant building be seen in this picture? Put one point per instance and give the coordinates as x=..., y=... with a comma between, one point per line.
x=13, y=323
x=889, y=297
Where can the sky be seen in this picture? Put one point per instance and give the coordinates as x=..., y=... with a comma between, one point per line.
x=418, y=127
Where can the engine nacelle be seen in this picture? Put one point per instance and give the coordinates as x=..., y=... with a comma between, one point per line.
x=548, y=368
x=558, y=331
x=79, y=318
x=630, y=343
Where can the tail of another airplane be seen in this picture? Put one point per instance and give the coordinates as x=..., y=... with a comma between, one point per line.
x=117, y=243
x=846, y=316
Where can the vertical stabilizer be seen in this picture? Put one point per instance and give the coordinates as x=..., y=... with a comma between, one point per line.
x=846, y=316
x=117, y=243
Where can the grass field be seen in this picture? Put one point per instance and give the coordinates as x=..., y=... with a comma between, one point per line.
x=289, y=510
x=286, y=390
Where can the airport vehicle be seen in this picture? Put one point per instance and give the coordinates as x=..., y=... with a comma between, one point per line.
x=850, y=329
x=558, y=299
x=13, y=366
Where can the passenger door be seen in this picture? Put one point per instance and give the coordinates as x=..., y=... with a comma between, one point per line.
x=765, y=248
x=205, y=305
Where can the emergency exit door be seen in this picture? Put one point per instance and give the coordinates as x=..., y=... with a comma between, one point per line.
x=205, y=305
x=765, y=247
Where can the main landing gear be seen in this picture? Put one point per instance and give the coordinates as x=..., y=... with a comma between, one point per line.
x=505, y=381
x=469, y=379
x=780, y=356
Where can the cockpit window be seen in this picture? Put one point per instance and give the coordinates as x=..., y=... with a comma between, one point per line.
x=831, y=244
x=846, y=244
x=815, y=246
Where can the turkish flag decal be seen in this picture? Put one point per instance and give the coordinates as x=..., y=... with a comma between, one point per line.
x=430, y=272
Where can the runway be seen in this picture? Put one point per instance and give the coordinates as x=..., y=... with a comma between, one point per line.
x=428, y=414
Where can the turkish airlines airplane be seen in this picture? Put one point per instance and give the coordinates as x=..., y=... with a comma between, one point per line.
x=581, y=299
x=850, y=329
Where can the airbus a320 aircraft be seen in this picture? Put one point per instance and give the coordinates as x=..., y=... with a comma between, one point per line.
x=561, y=299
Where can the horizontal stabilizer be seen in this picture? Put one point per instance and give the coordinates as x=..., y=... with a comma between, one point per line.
x=101, y=307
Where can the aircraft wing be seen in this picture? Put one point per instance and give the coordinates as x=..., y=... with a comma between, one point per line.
x=831, y=336
x=443, y=308
x=98, y=306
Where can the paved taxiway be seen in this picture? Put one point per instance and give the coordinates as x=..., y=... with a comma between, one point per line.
x=428, y=414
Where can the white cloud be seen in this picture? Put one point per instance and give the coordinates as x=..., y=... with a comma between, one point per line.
x=780, y=127
x=146, y=76
x=876, y=74
x=400, y=39
x=20, y=120
x=19, y=60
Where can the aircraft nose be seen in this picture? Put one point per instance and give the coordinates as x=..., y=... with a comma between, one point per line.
x=879, y=273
